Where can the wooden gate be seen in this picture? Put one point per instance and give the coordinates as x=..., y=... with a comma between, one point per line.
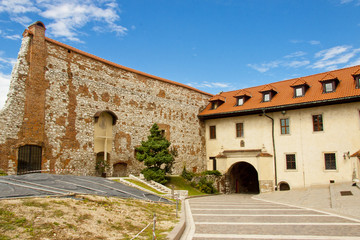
x=29, y=159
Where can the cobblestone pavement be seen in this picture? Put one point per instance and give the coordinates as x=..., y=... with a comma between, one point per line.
x=42, y=184
x=243, y=217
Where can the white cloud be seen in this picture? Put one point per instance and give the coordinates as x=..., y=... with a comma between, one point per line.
x=314, y=42
x=17, y=6
x=67, y=17
x=330, y=58
x=264, y=67
x=206, y=84
x=4, y=88
x=296, y=54
x=13, y=37
x=345, y=1
x=297, y=64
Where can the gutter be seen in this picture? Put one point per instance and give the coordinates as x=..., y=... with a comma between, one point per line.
x=281, y=107
x=273, y=143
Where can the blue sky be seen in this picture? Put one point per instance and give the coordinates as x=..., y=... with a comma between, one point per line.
x=213, y=45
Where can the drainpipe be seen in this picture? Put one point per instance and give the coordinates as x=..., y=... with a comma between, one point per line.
x=273, y=143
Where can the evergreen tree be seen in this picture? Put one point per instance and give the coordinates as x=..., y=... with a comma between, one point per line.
x=156, y=156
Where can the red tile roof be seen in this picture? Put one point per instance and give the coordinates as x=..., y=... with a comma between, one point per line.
x=284, y=99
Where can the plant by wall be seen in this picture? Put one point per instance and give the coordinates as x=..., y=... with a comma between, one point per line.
x=156, y=156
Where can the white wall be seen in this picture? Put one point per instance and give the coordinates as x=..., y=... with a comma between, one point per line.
x=341, y=134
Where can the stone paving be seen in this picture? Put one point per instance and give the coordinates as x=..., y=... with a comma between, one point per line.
x=42, y=184
x=316, y=213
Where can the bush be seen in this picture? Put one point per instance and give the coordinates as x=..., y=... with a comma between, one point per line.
x=211, y=172
x=187, y=175
x=206, y=186
x=2, y=173
x=154, y=174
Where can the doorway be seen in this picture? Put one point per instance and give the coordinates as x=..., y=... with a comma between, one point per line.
x=29, y=159
x=243, y=178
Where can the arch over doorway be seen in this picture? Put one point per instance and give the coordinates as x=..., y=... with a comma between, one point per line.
x=243, y=178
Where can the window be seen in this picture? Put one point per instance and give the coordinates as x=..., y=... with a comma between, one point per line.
x=212, y=132
x=317, y=123
x=290, y=162
x=299, y=91
x=239, y=130
x=240, y=101
x=357, y=81
x=266, y=97
x=214, y=162
x=330, y=161
x=214, y=105
x=284, y=125
x=329, y=87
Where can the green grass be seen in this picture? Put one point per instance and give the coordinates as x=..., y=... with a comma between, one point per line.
x=181, y=184
x=140, y=184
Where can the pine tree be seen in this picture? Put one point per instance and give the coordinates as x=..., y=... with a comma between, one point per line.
x=156, y=156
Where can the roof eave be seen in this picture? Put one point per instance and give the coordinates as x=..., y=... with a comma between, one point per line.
x=280, y=108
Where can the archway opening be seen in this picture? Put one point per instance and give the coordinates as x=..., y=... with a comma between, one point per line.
x=244, y=179
x=284, y=186
x=102, y=164
x=120, y=169
x=29, y=159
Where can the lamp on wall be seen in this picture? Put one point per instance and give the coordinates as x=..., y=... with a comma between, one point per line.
x=346, y=155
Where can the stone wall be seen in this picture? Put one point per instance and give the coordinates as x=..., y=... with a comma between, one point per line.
x=74, y=87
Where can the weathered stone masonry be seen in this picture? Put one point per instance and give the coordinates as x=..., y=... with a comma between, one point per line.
x=57, y=90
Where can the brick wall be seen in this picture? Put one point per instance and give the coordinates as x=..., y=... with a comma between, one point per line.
x=58, y=91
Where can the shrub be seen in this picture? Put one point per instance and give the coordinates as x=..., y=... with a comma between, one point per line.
x=154, y=174
x=2, y=173
x=206, y=186
x=211, y=172
x=187, y=175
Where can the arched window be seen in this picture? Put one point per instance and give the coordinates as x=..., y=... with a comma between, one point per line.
x=29, y=159
x=104, y=121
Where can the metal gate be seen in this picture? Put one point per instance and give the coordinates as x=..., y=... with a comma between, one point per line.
x=29, y=159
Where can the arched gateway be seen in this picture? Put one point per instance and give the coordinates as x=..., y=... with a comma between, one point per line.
x=243, y=178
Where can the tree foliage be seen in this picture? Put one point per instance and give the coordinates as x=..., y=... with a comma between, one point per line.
x=156, y=155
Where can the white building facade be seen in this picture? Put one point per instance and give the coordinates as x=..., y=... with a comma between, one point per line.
x=290, y=134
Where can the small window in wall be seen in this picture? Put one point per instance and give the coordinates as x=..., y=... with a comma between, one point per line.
x=299, y=91
x=240, y=130
x=212, y=132
x=330, y=161
x=284, y=126
x=266, y=97
x=214, y=162
x=290, y=162
x=240, y=101
x=357, y=81
x=317, y=123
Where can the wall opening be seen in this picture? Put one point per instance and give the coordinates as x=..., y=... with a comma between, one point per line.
x=102, y=164
x=29, y=159
x=244, y=179
x=284, y=186
x=120, y=169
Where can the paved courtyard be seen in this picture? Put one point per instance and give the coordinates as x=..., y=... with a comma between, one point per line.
x=277, y=215
x=42, y=184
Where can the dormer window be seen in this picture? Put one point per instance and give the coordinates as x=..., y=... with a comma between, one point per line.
x=266, y=97
x=329, y=83
x=357, y=81
x=241, y=97
x=329, y=86
x=268, y=93
x=299, y=91
x=216, y=101
x=300, y=87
